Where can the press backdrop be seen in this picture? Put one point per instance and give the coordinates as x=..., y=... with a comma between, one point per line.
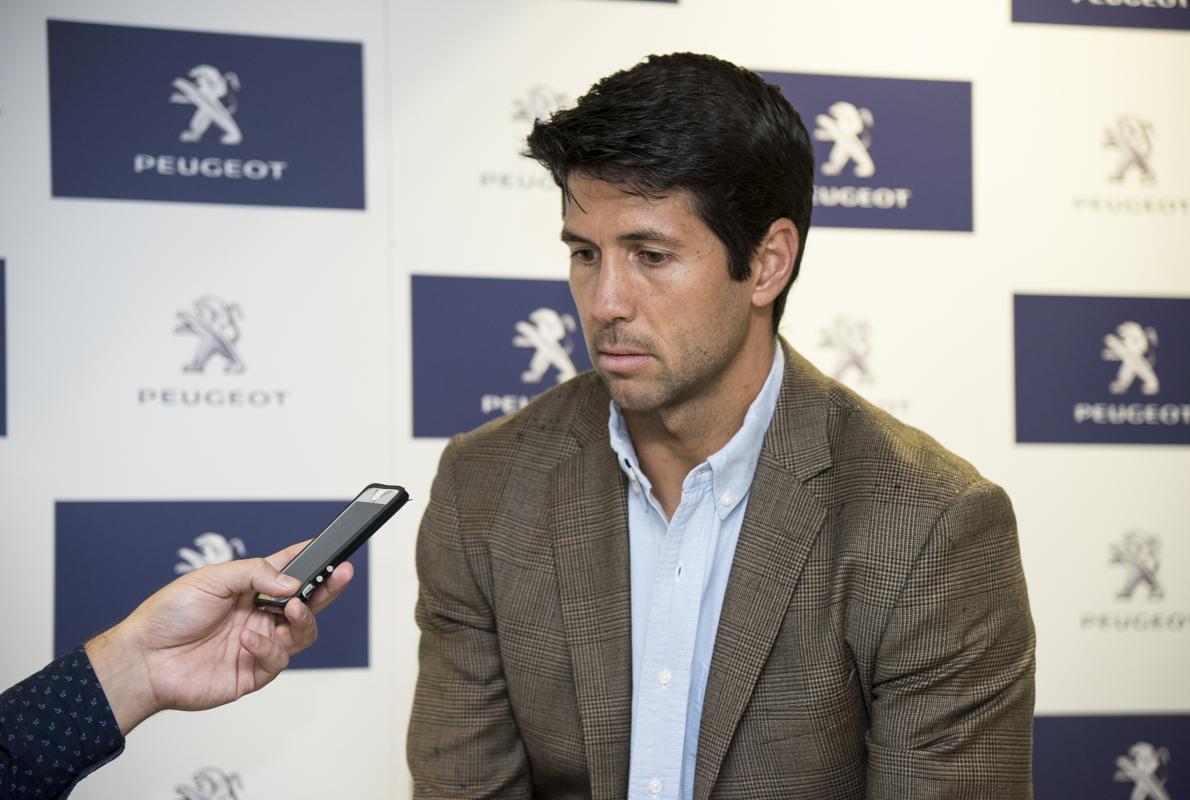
x=255, y=256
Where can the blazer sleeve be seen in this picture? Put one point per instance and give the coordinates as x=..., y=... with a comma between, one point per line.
x=463, y=738
x=952, y=693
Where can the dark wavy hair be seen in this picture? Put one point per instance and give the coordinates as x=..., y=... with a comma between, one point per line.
x=698, y=123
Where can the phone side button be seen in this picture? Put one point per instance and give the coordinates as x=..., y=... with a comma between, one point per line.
x=307, y=591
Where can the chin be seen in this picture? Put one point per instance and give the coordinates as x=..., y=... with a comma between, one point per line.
x=636, y=405
x=632, y=396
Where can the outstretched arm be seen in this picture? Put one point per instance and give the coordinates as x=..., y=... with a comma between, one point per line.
x=200, y=642
x=197, y=643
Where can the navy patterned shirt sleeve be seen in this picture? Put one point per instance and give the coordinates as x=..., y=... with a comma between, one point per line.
x=56, y=727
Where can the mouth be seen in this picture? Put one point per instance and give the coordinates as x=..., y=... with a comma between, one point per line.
x=621, y=359
x=620, y=353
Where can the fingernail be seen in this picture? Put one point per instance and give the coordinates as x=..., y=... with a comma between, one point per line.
x=289, y=582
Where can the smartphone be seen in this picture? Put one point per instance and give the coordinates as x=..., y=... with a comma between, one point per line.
x=314, y=564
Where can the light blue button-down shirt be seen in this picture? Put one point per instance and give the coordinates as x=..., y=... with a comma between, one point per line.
x=679, y=576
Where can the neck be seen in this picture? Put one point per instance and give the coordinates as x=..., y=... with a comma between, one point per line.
x=669, y=442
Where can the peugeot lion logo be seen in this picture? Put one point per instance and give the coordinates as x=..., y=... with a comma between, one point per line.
x=206, y=92
x=539, y=104
x=1132, y=345
x=848, y=337
x=215, y=324
x=1138, y=553
x=209, y=548
x=211, y=783
x=1132, y=137
x=847, y=126
x=547, y=333
x=1140, y=767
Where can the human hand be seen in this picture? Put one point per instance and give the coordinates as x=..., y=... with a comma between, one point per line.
x=201, y=642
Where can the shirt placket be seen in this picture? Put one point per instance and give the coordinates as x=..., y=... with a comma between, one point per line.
x=677, y=581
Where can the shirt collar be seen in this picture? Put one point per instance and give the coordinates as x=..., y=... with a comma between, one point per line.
x=733, y=465
x=621, y=442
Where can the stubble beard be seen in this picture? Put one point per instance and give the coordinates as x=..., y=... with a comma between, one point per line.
x=696, y=375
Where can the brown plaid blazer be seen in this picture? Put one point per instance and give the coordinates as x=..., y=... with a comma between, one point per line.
x=875, y=640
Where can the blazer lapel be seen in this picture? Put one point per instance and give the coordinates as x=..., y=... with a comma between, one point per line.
x=590, y=524
x=781, y=523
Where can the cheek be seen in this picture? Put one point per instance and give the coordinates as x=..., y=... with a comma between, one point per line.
x=669, y=308
x=699, y=320
x=579, y=288
x=580, y=292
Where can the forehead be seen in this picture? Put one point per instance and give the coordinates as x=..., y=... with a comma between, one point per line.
x=594, y=203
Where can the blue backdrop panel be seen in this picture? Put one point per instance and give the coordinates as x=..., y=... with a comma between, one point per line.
x=483, y=347
x=1102, y=369
x=889, y=153
x=109, y=556
x=1109, y=757
x=149, y=114
x=1169, y=14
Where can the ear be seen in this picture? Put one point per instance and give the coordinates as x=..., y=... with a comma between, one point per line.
x=772, y=264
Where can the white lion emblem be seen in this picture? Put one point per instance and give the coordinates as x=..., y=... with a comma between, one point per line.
x=547, y=332
x=1132, y=345
x=1141, y=769
x=206, y=93
x=847, y=126
x=209, y=548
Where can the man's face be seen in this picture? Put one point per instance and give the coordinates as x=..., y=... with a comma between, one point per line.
x=662, y=317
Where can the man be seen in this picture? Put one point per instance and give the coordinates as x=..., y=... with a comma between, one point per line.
x=196, y=644
x=706, y=570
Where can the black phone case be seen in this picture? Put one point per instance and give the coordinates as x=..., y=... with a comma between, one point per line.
x=341, y=554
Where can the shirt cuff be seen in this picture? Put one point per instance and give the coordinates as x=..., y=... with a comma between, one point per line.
x=56, y=727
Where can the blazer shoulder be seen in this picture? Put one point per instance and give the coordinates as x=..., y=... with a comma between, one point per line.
x=541, y=435
x=874, y=451
x=846, y=447
x=891, y=490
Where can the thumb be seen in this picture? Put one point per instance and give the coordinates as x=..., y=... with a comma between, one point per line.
x=251, y=574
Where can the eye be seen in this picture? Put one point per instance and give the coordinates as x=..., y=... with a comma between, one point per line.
x=653, y=257
x=583, y=255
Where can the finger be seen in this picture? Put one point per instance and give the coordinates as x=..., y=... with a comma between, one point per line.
x=246, y=575
x=303, y=629
x=283, y=557
x=333, y=587
x=270, y=657
x=265, y=578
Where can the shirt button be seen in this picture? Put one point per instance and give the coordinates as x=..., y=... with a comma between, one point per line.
x=726, y=498
x=665, y=677
x=635, y=487
x=655, y=786
x=678, y=572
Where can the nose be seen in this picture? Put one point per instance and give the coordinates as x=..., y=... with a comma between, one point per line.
x=612, y=299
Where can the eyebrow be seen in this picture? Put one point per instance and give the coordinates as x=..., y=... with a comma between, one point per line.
x=639, y=235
